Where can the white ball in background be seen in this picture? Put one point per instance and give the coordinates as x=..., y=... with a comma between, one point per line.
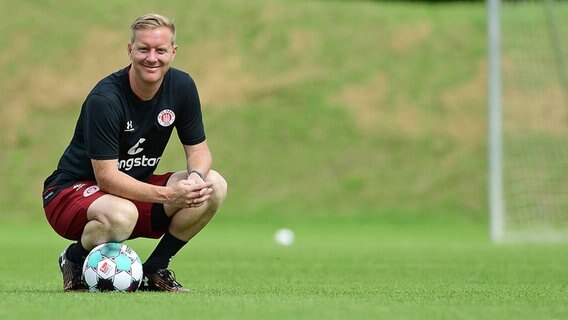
x=284, y=237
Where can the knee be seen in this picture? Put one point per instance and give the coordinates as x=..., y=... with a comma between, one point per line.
x=219, y=187
x=110, y=219
x=123, y=218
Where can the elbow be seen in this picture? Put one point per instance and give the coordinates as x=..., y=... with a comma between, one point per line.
x=104, y=181
x=106, y=173
x=104, y=184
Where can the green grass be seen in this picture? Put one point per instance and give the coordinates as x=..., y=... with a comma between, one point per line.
x=336, y=269
x=359, y=124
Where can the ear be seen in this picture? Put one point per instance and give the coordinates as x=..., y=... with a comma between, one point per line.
x=174, y=51
x=129, y=50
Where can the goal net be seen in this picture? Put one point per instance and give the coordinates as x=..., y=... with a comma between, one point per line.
x=534, y=122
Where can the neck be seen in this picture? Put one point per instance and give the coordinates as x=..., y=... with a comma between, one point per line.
x=143, y=90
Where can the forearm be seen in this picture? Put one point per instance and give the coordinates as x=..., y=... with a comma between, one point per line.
x=120, y=184
x=199, y=159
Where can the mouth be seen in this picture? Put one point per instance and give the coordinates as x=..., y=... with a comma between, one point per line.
x=151, y=68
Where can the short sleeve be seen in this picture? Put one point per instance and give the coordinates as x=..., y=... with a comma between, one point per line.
x=101, y=128
x=190, y=127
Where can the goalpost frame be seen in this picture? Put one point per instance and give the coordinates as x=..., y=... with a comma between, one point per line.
x=495, y=130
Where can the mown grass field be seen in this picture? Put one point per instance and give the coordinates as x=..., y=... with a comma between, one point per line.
x=334, y=270
x=358, y=124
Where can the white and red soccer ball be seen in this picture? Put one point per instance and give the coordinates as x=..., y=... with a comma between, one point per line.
x=112, y=267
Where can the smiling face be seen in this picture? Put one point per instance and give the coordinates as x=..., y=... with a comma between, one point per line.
x=151, y=51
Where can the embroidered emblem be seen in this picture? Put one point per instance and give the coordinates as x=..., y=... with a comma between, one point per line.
x=166, y=118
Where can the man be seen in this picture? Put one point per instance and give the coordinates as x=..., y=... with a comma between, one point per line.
x=104, y=188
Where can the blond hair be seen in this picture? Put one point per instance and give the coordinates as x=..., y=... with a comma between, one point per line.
x=152, y=21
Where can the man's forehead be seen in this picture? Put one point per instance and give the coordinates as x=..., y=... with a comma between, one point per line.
x=155, y=36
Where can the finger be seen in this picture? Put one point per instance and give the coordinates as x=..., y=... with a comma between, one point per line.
x=205, y=191
x=197, y=187
x=195, y=194
x=206, y=184
x=201, y=199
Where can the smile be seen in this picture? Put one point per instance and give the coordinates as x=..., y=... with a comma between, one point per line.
x=151, y=67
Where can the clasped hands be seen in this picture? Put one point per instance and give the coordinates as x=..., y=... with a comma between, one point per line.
x=191, y=193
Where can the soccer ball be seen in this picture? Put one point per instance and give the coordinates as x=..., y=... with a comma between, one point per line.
x=112, y=267
x=284, y=237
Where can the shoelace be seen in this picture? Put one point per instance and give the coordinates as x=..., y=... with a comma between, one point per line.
x=170, y=275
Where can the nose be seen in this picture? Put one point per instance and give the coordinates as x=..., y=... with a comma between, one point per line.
x=152, y=56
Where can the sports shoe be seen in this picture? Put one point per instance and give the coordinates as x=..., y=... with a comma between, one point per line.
x=161, y=280
x=72, y=274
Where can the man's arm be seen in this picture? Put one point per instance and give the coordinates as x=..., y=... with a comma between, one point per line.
x=113, y=181
x=198, y=159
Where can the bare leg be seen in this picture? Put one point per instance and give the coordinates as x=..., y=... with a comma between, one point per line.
x=187, y=222
x=111, y=218
x=184, y=225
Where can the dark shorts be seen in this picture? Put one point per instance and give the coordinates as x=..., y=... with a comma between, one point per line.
x=67, y=211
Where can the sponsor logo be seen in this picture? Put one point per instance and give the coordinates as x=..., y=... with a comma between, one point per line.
x=128, y=164
x=136, y=148
x=90, y=191
x=78, y=186
x=105, y=268
x=166, y=118
x=129, y=126
x=143, y=161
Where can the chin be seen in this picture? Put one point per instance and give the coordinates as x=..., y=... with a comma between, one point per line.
x=152, y=76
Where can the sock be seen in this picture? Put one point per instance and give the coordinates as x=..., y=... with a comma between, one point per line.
x=165, y=250
x=76, y=253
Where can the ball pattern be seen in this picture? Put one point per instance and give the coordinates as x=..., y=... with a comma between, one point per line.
x=112, y=267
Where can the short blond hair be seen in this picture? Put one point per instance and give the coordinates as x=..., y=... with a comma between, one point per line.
x=152, y=21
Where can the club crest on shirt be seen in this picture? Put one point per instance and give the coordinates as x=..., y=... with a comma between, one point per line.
x=91, y=190
x=166, y=117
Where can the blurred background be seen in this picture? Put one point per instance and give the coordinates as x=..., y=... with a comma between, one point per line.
x=351, y=110
x=365, y=111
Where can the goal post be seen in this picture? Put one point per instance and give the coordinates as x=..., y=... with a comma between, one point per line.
x=528, y=120
x=495, y=130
